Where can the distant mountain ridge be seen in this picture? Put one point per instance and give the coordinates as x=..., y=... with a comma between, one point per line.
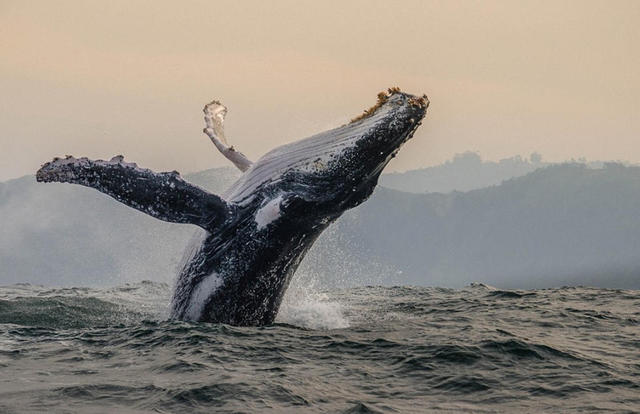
x=467, y=171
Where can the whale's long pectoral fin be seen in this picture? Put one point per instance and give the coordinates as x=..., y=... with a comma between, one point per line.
x=214, y=113
x=165, y=196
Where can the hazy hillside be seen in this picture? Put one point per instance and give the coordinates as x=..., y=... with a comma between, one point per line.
x=564, y=224
x=467, y=171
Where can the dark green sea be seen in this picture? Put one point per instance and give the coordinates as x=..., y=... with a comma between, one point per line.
x=361, y=350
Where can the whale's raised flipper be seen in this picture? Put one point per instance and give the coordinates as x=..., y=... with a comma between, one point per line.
x=214, y=113
x=165, y=196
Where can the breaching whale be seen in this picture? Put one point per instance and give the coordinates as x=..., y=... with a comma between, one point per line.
x=258, y=231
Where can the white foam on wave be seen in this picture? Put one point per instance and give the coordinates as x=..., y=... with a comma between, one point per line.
x=304, y=306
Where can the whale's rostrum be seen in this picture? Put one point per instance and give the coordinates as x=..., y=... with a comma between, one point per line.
x=258, y=231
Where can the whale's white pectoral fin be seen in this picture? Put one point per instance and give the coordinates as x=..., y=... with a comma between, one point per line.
x=165, y=196
x=214, y=113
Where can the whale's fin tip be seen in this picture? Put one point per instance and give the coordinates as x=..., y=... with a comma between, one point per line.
x=214, y=114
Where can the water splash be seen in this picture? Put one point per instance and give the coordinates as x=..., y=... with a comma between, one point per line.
x=306, y=306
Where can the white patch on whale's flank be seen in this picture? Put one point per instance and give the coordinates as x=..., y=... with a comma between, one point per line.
x=268, y=213
x=200, y=294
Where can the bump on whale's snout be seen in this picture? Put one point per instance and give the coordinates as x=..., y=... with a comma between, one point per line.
x=396, y=97
x=394, y=119
x=378, y=134
x=390, y=122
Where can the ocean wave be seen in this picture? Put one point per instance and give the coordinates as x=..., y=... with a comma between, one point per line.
x=403, y=349
x=62, y=312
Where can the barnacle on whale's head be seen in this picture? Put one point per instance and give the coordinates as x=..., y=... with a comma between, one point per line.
x=383, y=97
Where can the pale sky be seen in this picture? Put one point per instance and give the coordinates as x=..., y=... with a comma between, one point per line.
x=100, y=78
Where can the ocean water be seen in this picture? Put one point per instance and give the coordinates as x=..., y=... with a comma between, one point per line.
x=362, y=350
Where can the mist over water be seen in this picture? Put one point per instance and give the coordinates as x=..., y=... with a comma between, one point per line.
x=358, y=350
x=523, y=223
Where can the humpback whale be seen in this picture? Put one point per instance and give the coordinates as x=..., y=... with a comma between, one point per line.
x=256, y=233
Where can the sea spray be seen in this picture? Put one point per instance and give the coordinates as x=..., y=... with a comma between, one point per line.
x=307, y=306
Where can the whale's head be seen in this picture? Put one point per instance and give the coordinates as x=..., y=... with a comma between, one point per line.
x=357, y=153
x=337, y=169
